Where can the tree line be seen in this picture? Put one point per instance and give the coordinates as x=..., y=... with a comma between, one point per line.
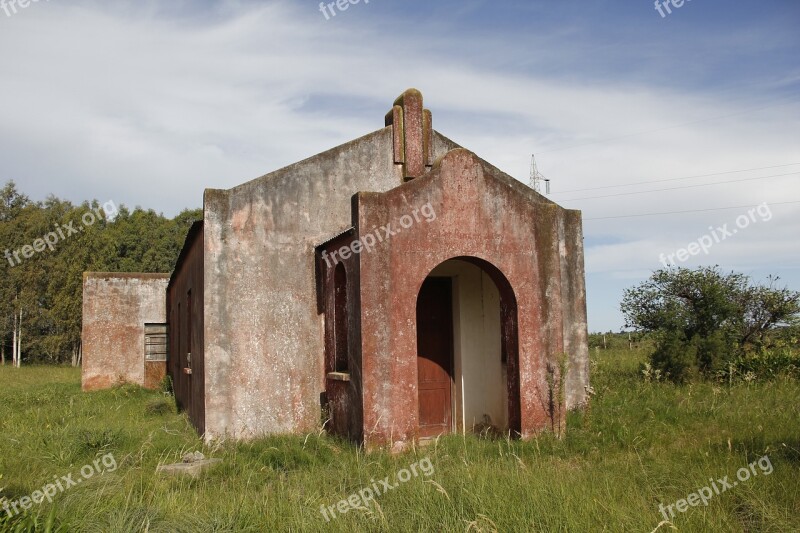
x=46, y=248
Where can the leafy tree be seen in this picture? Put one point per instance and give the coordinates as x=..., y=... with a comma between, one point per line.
x=703, y=318
x=41, y=295
x=12, y=202
x=764, y=309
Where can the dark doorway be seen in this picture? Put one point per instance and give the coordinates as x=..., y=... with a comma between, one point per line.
x=435, y=356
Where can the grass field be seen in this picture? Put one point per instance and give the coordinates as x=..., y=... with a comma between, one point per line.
x=640, y=445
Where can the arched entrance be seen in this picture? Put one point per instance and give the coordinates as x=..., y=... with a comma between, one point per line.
x=467, y=355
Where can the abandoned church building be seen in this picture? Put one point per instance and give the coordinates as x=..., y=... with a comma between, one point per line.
x=397, y=287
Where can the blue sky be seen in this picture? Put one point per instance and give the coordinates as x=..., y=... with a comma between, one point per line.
x=148, y=103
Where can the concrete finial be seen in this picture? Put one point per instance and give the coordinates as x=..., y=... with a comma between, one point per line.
x=413, y=134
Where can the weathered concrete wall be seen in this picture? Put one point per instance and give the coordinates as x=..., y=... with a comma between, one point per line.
x=484, y=214
x=116, y=307
x=264, y=340
x=573, y=297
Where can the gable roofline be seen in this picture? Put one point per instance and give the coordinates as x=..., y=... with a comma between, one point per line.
x=428, y=136
x=512, y=182
x=331, y=152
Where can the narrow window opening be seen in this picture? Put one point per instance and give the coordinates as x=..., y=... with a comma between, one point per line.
x=340, y=320
x=155, y=342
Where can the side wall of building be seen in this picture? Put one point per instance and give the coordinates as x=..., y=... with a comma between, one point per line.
x=116, y=308
x=573, y=298
x=185, y=309
x=264, y=339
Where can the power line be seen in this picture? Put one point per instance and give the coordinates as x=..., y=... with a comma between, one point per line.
x=681, y=187
x=675, y=179
x=608, y=139
x=689, y=211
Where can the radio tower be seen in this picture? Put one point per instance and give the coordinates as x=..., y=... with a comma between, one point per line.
x=537, y=178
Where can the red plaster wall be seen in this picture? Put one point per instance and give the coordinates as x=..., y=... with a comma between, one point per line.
x=480, y=214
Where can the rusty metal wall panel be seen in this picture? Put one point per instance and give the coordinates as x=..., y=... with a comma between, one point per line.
x=185, y=298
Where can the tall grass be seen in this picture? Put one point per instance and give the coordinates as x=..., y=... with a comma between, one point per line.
x=639, y=445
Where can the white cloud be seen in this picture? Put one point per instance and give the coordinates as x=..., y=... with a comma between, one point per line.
x=119, y=101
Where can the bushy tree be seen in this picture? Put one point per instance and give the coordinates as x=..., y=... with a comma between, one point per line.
x=703, y=319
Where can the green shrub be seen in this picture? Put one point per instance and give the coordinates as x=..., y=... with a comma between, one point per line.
x=766, y=364
x=713, y=352
x=675, y=357
x=681, y=360
x=707, y=320
x=166, y=386
x=716, y=358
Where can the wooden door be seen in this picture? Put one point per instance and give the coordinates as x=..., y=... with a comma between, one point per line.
x=435, y=356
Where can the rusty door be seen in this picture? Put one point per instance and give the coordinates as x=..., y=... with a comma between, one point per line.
x=435, y=356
